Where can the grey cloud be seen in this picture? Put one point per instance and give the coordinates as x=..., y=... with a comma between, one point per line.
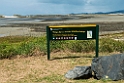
x=71, y=2
x=107, y=2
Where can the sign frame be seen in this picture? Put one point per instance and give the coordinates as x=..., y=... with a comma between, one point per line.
x=64, y=31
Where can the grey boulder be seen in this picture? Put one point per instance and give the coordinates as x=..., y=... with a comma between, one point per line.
x=109, y=67
x=79, y=72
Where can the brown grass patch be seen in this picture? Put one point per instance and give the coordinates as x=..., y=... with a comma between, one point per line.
x=39, y=69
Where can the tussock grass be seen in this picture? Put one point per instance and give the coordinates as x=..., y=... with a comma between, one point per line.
x=28, y=46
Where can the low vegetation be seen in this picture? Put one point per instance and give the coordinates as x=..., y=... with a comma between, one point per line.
x=65, y=55
x=28, y=46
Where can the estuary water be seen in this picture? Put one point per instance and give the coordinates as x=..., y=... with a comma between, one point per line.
x=6, y=21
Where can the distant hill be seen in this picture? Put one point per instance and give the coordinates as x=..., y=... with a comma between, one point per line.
x=120, y=11
x=112, y=12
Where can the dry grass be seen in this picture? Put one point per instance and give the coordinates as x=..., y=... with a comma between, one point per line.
x=39, y=69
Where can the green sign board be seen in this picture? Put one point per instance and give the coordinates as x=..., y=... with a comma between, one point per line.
x=72, y=32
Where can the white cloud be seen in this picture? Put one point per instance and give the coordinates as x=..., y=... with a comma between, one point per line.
x=89, y=1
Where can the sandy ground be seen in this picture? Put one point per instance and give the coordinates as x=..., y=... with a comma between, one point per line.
x=107, y=23
x=7, y=31
x=18, y=31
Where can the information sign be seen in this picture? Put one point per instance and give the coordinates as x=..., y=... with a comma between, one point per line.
x=72, y=32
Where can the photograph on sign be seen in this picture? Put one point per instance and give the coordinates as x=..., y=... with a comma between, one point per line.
x=75, y=38
x=89, y=34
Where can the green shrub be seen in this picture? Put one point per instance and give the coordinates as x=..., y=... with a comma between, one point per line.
x=81, y=46
x=110, y=45
x=40, y=43
x=7, y=50
x=57, y=45
x=15, y=39
x=26, y=47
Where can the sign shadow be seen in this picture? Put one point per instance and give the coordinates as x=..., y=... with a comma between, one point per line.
x=71, y=57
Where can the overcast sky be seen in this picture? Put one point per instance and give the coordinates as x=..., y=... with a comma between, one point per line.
x=29, y=7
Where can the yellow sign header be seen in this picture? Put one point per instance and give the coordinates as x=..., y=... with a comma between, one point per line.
x=73, y=26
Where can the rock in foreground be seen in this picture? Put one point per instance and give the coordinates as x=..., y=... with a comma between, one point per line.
x=79, y=72
x=109, y=67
